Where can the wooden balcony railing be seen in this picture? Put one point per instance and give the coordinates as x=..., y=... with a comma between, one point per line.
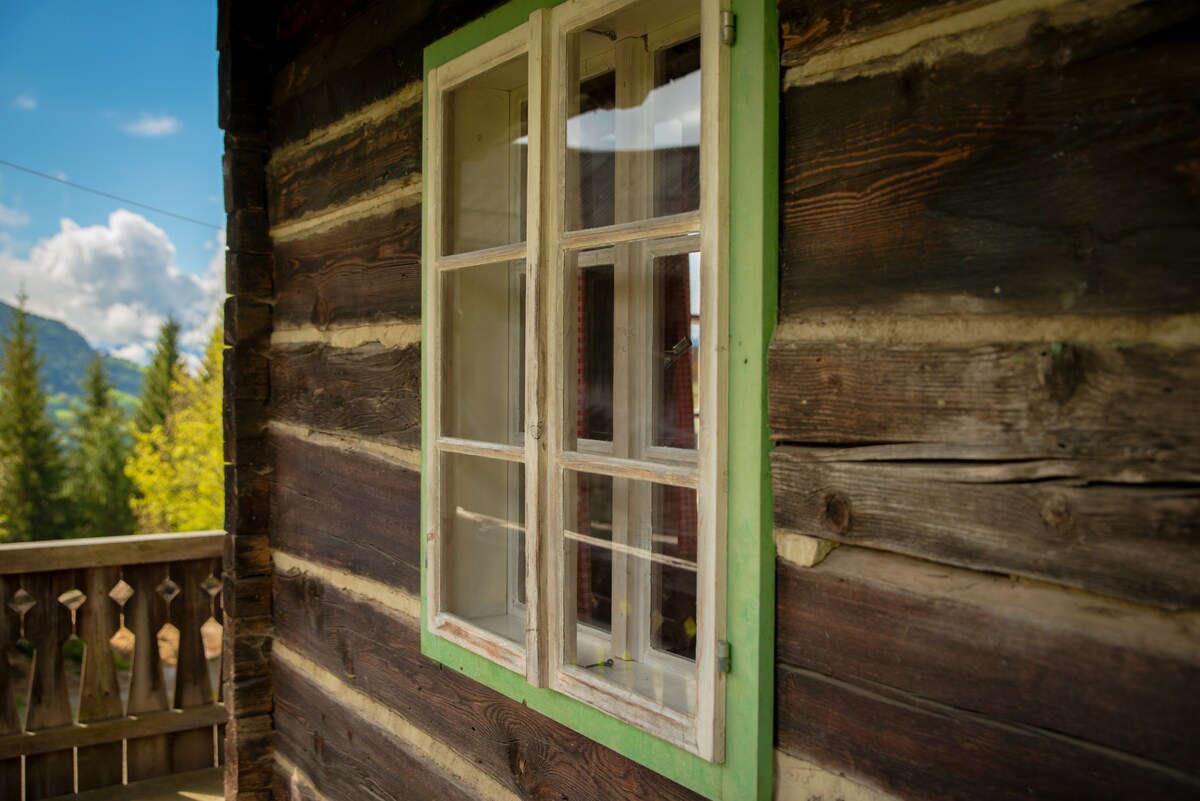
x=112, y=648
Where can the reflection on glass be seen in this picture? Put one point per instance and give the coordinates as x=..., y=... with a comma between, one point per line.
x=677, y=341
x=633, y=121
x=630, y=548
x=486, y=159
x=484, y=523
x=483, y=367
x=633, y=353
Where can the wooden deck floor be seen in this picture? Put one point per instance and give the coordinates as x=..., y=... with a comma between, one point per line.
x=200, y=785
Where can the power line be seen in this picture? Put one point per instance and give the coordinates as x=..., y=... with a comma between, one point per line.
x=73, y=185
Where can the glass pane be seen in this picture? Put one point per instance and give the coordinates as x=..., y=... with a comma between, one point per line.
x=644, y=535
x=632, y=366
x=483, y=521
x=486, y=159
x=633, y=115
x=676, y=349
x=483, y=357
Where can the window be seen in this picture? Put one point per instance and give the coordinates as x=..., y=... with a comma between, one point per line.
x=575, y=311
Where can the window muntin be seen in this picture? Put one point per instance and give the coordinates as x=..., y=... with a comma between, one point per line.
x=614, y=248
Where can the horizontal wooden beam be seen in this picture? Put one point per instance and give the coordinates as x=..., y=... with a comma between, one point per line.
x=1110, y=673
x=107, y=731
x=38, y=557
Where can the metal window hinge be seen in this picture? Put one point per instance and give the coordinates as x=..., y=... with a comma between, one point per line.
x=728, y=27
x=723, y=657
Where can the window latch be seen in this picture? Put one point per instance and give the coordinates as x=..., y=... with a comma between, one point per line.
x=728, y=27
x=723, y=658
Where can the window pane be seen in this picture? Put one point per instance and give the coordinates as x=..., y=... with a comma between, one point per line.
x=676, y=348
x=486, y=130
x=632, y=366
x=483, y=522
x=630, y=548
x=633, y=115
x=483, y=367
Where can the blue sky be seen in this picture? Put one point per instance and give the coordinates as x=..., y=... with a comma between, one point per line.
x=120, y=97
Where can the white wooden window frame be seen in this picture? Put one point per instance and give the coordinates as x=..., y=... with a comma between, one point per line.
x=544, y=659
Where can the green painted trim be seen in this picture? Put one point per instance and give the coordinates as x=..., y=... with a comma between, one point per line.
x=753, y=265
x=746, y=773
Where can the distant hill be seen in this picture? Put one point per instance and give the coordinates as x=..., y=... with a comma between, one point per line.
x=66, y=355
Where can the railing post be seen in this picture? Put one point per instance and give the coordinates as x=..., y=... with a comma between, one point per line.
x=99, y=693
x=47, y=626
x=191, y=750
x=10, y=723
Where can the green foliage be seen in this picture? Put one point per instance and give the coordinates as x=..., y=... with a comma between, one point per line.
x=31, y=496
x=97, y=485
x=177, y=466
x=155, y=397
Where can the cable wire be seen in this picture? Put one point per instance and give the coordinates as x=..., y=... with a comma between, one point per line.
x=146, y=206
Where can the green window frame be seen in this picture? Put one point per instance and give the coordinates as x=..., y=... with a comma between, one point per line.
x=746, y=770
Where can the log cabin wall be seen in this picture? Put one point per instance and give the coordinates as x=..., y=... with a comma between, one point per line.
x=983, y=387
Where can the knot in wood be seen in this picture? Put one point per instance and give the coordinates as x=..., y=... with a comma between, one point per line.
x=1056, y=513
x=1060, y=371
x=835, y=513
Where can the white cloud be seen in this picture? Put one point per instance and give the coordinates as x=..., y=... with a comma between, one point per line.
x=13, y=218
x=151, y=126
x=25, y=102
x=116, y=284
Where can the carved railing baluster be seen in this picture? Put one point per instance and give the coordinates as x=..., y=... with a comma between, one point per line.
x=10, y=722
x=55, y=592
x=47, y=626
x=99, y=693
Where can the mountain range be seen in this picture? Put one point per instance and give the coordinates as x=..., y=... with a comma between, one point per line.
x=66, y=355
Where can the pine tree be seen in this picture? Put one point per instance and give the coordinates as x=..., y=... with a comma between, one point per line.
x=32, y=505
x=97, y=485
x=156, y=385
x=178, y=467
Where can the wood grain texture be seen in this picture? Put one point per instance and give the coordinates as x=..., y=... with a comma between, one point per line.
x=145, y=614
x=1002, y=401
x=1059, y=174
x=361, y=160
x=1127, y=541
x=378, y=652
x=369, y=391
x=348, y=758
x=348, y=510
x=336, y=57
x=1108, y=673
x=192, y=750
x=368, y=271
x=918, y=749
x=808, y=27
x=10, y=721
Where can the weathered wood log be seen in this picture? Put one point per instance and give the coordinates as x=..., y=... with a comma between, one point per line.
x=369, y=391
x=1002, y=401
x=316, y=489
x=377, y=651
x=99, y=693
x=337, y=57
x=1055, y=173
x=347, y=757
x=361, y=160
x=1113, y=674
x=47, y=627
x=919, y=749
x=1129, y=541
x=367, y=271
x=809, y=27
